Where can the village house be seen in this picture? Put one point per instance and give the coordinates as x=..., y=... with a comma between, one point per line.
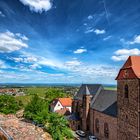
x=110, y=114
x=61, y=106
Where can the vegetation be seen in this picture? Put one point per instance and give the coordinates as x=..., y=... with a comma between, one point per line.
x=8, y=104
x=58, y=127
x=38, y=111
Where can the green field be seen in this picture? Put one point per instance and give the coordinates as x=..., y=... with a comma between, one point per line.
x=110, y=88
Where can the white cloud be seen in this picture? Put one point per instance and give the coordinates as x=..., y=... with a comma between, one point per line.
x=107, y=38
x=72, y=63
x=123, y=54
x=90, y=17
x=89, y=31
x=34, y=66
x=81, y=50
x=2, y=64
x=29, y=59
x=23, y=37
x=97, y=31
x=136, y=40
x=1, y=14
x=85, y=24
x=10, y=42
x=38, y=5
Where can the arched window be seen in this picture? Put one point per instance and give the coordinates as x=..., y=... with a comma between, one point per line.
x=106, y=130
x=97, y=125
x=126, y=91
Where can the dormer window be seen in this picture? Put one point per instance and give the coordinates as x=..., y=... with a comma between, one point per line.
x=126, y=91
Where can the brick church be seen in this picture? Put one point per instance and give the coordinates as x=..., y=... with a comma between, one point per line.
x=108, y=114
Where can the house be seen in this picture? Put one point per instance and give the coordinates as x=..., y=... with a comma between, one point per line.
x=61, y=105
x=110, y=114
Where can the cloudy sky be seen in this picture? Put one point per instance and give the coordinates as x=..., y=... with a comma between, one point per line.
x=67, y=41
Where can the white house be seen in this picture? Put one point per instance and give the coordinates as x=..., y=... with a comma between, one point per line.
x=61, y=105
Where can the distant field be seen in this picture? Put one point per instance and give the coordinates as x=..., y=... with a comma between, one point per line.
x=36, y=90
x=30, y=91
x=110, y=88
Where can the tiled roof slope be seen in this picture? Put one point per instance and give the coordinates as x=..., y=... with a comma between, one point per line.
x=65, y=101
x=88, y=89
x=106, y=102
x=133, y=66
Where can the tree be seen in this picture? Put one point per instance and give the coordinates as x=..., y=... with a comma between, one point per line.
x=8, y=104
x=58, y=127
x=53, y=93
x=36, y=110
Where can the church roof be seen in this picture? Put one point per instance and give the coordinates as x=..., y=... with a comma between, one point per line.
x=106, y=102
x=88, y=89
x=133, y=63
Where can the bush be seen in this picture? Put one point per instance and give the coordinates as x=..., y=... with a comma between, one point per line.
x=36, y=110
x=8, y=104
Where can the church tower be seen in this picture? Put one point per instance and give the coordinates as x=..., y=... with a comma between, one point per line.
x=86, y=109
x=128, y=99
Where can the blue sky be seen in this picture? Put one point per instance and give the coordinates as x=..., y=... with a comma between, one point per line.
x=67, y=41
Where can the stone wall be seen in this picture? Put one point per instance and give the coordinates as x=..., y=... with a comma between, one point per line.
x=103, y=118
x=128, y=109
x=2, y=136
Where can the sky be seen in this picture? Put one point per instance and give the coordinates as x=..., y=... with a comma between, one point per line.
x=67, y=41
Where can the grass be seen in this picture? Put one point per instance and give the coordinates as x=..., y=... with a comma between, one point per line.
x=36, y=90
x=110, y=88
x=24, y=99
x=29, y=94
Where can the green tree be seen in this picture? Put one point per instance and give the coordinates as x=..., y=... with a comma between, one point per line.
x=8, y=104
x=58, y=127
x=53, y=93
x=36, y=110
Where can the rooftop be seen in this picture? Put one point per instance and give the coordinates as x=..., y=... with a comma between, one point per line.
x=132, y=63
x=106, y=102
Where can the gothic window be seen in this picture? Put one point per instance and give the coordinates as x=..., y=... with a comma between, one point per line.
x=106, y=130
x=126, y=91
x=97, y=125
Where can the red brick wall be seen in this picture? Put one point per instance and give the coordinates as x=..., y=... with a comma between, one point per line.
x=103, y=118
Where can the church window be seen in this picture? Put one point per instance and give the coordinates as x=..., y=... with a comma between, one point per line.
x=106, y=130
x=126, y=91
x=97, y=125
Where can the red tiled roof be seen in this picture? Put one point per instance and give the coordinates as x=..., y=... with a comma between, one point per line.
x=132, y=65
x=65, y=101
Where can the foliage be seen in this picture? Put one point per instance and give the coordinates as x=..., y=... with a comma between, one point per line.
x=36, y=109
x=8, y=104
x=58, y=127
x=53, y=93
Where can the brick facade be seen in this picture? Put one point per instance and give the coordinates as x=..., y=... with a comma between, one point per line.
x=128, y=109
x=103, y=118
